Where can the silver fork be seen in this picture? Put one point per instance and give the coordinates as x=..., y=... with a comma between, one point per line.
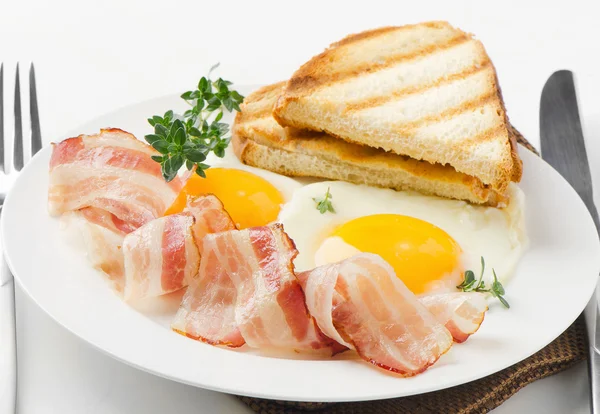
x=8, y=337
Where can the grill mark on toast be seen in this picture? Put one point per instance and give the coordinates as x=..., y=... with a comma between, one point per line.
x=483, y=136
x=450, y=113
x=415, y=89
x=307, y=79
x=408, y=129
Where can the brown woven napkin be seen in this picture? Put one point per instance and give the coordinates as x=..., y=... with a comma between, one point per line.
x=478, y=396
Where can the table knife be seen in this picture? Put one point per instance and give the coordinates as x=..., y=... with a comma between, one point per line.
x=563, y=147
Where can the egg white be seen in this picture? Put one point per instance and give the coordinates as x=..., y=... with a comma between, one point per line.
x=498, y=235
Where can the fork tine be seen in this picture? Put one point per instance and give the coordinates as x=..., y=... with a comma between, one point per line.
x=2, y=118
x=36, y=134
x=18, y=143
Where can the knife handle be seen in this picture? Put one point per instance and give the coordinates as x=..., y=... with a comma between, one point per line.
x=594, y=371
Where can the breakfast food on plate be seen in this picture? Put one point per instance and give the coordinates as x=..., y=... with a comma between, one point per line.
x=252, y=197
x=428, y=91
x=123, y=189
x=210, y=216
x=429, y=241
x=113, y=171
x=258, y=140
x=409, y=120
x=363, y=305
x=102, y=235
x=207, y=311
x=160, y=257
x=246, y=292
x=163, y=255
x=460, y=312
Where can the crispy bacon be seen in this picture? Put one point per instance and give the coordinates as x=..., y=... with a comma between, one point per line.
x=210, y=216
x=266, y=306
x=160, y=257
x=361, y=303
x=461, y=312
x=103, y=236
x=207, y=309
x=113, y=171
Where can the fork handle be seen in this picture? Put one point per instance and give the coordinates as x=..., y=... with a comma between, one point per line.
x=8, y=340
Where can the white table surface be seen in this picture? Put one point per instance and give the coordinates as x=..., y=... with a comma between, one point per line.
x=92, y=57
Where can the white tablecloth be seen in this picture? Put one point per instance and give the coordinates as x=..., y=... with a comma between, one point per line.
x=92, y=57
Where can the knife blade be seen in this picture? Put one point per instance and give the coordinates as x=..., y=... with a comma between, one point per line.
x=563, y=147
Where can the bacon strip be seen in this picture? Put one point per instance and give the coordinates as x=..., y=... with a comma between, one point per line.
x=103, y=236
x=107, y=220
x=461, y=312
x=160, y=257
x=207, y=311
x=111, y=170
x=267, y=308
x=375, y=313
x=210, y=216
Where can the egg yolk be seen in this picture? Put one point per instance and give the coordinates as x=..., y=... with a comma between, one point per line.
x=249, y=199
x=422, y=254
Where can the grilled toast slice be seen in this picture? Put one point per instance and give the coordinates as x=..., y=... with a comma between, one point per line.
x=428, y=91
x=258, y=140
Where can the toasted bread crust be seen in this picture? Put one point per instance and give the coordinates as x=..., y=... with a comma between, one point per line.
x=261, y=142
x=315, y=72
x=335, y=66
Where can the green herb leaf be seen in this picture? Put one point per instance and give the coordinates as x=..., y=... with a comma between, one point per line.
x=468, y=281
x=213, y=104
x=173, y=148
x=203, y=84
x=497, y=286
x=171, y=166
x=188, y=140
x=151, y=138
x=161, y=146
x=324, y=204
x=236, y=96
x=195, y=132
x=180, y=136
x=228, y=103
x=196, y=156
x=504, y=302
x=469, y=284
x=160, y=129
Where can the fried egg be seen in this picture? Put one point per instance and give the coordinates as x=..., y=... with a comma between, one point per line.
x=429, y=241
x=251, y=196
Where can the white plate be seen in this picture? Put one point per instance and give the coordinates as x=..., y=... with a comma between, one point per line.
x=550, y=288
